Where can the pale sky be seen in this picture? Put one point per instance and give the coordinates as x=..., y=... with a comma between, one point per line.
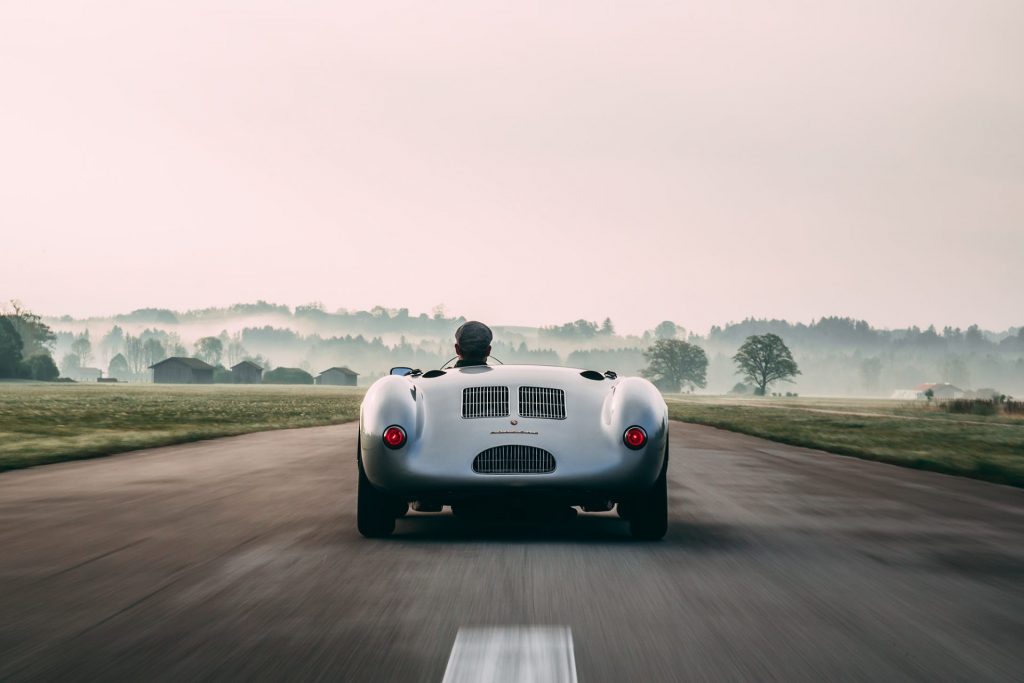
x=522, y=163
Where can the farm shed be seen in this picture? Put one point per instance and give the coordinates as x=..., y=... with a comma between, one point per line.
x=246, y=372
x=342, y=377
x=178, y=370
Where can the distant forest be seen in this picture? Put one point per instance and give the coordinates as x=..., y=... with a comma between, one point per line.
x=837, y=356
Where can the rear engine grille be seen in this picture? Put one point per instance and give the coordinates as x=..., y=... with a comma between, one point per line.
x=514, y=460
x=485, y=402
x=542, y=402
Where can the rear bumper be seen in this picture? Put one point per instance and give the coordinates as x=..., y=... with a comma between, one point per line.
x=419, y=473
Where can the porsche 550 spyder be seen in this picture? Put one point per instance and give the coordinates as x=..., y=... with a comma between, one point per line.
x=493, y=435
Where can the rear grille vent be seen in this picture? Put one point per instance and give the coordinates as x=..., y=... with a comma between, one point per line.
x=542, y=402
x=485, y=402
x=514, y=460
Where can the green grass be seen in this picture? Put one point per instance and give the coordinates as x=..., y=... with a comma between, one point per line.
x=43, y=423
x=907, y=434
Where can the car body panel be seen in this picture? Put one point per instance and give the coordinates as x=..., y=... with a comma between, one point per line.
x=437, y=459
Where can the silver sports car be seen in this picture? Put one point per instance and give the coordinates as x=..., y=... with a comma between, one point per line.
x=483, y=437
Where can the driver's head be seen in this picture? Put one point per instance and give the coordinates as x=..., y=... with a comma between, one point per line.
x=473, y=340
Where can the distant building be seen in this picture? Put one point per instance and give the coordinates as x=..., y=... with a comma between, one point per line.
x=246, y=372
x=182, y=371
x=342, y=377
x=943, y=391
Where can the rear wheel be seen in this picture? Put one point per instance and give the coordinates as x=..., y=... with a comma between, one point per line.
x=375, y=510
x=648, y=512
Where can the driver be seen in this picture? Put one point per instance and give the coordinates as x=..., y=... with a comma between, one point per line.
x=472, y=344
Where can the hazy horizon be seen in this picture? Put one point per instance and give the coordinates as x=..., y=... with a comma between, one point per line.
x=525, y=164
x=270, y=319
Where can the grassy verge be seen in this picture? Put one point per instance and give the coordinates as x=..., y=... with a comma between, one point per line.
x=45, y=423
x=888, y=431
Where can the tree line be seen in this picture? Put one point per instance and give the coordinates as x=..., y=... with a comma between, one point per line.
x=836, y=355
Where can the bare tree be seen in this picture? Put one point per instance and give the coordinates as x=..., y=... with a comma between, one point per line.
x=235, y=351
x=209, y=349
x=134, y=355
x=153, y=352
x=82, y=347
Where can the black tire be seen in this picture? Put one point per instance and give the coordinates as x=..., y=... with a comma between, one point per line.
x=375, y=511
x=648, y=513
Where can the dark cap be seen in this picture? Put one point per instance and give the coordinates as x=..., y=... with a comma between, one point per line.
x=473, y=337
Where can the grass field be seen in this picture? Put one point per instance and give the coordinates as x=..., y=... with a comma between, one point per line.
x=42, y=423
x=902, y=433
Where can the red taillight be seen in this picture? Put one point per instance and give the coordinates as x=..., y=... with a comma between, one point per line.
x=394, y=437
x=635, y=437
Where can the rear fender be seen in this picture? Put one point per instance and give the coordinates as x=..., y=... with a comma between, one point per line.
x=635, y=401
x=392, y=400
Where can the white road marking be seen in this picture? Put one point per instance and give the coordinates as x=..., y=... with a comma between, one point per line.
x=512, y=654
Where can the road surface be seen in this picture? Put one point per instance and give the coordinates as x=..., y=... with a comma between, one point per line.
x=239, y=558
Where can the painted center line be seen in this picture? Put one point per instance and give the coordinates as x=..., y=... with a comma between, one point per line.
x=512, y=654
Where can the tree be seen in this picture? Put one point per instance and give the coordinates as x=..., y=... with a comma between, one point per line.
x=763, y=359
x=209, y=349
x=173, y=346
x=666, y=330
x=153, y=351
x=36, y=336
x=82, y=347
x=118, y=367
x=133, y=354
x=287, y=376
x=871, y=372
x=673, y=364
x=607, y=328
x=70, y=364
x=235, y=351
x=41, y=367
x=10, y=348
x=974, y=338
x=579, y=329
x=112, y=342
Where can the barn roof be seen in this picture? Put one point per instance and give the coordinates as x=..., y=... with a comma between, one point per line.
x=245, y=363
x=193, y=363
x=343, y=370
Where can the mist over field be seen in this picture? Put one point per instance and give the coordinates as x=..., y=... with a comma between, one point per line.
x=837, y=356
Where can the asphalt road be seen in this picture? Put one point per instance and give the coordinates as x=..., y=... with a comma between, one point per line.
x=239, y=558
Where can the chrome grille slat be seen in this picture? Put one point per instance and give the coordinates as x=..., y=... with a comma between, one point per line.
x=485, y=402
x=514, y=459
x=542, y=402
